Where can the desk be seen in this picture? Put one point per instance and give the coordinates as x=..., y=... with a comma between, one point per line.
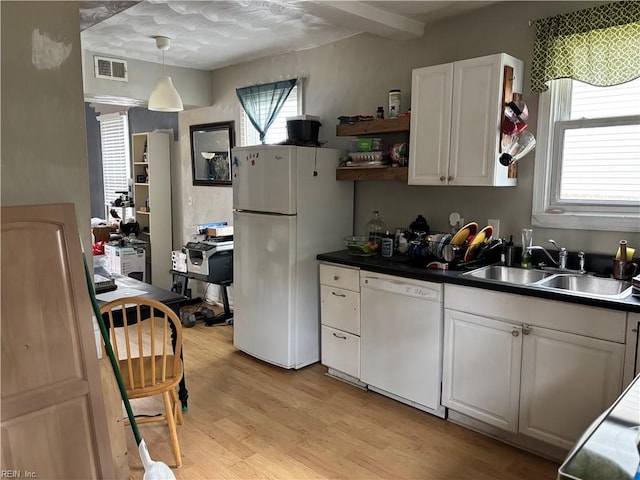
x=171, y=299
x=227, y=316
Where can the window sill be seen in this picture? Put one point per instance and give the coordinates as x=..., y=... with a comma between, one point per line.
x=587, y=221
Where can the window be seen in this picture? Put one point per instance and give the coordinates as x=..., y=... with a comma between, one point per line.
x=587, y=173
x=116, y=165
x=278, y=130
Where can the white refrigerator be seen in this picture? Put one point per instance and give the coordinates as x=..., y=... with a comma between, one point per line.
x=287, y=208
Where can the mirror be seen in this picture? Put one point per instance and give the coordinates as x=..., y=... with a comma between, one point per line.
x=211, y=145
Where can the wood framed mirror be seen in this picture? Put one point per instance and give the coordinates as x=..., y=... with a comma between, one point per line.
x=211, y=145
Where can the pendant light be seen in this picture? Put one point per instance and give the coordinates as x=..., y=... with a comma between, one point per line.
x=164, y=97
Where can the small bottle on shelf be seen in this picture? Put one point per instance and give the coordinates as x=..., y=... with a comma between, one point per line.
x=380, y=113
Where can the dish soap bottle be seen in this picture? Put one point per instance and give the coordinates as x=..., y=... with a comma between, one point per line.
x=375, y=228
x=387, y=245
x=510, y=253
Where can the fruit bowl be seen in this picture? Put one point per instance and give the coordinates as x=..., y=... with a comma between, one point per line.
x=360, y=245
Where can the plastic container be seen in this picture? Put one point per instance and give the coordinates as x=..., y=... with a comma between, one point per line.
x=303, y=129
x=365, y=144
x=376, y=228
x=394, y=103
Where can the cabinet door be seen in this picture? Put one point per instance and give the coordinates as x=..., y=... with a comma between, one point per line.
x=340, y=309
x=476, y=116
x=341, y=351
x=430, y=124
x=481, y=371
x=567, y=381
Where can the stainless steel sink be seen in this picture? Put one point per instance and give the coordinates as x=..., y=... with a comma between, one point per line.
x=586, y=284
x=504, y=274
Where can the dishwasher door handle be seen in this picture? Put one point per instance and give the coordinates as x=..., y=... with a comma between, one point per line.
x=424, y=292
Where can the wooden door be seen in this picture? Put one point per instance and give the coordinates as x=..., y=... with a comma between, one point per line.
x=53, y=414
x=567, y=382
x=481, y=368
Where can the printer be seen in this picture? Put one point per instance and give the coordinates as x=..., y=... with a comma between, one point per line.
x=211, y=258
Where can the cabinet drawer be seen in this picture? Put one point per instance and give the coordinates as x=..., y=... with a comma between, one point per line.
x=340, y=309
x=347, y=278
x=341, y=351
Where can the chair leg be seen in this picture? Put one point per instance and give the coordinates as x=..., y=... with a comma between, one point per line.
x=172, y=428
x=177, y=407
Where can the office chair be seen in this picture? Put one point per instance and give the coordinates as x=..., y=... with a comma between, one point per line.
x=148, y=346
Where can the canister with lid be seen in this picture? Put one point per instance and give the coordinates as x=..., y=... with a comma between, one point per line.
x=394, y=103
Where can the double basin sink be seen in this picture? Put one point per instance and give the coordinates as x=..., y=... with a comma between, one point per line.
x=558, y=281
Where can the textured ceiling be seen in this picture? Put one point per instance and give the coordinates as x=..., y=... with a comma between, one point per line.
x=212, y=34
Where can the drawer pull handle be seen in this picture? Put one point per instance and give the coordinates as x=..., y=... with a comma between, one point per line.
x=336, y=277
x=526, y=329
x=338, y=294
x=339, y=336
x=515, y=333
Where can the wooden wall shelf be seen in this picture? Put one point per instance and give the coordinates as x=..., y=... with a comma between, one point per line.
x=389, y=125
x=371, y=173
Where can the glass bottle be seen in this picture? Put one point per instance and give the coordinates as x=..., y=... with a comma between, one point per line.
x=376, y=228
x=527, y=241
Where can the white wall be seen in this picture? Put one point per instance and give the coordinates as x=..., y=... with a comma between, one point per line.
x=193, y=85
x=353, y=76
x=44, y=152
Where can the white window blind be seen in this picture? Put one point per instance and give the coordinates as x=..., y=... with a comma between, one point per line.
x=277, y=132
x=600, y=145
x=587, y=173
x=116, y=165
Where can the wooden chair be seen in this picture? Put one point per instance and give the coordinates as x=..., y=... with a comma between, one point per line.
x=148, y=346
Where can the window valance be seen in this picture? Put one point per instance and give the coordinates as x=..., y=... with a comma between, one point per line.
x=599, y=46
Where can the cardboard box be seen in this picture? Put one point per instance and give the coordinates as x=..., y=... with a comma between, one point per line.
x=126, y=260
x=220, y=231
x=103, y=232
x=202, y=227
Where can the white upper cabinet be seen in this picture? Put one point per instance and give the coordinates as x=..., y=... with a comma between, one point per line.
x=456, y=116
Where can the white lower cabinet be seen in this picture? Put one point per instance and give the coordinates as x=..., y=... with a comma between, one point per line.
x=481, y=375
x=341, y=351
x=508, y=371
x=340, y=319
x=567, y=381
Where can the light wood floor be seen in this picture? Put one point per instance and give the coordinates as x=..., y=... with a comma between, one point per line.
x=248, y=419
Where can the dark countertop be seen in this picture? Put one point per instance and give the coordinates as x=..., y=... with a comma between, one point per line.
x=399, y=266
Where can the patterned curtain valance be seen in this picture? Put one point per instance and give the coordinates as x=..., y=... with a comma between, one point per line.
x=599, y=46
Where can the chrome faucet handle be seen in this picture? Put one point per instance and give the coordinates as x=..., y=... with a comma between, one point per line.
x=581, y=265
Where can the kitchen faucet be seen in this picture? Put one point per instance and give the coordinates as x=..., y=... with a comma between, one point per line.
x=563, y=254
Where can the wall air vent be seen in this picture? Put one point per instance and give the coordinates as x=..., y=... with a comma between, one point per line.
x=110, y=68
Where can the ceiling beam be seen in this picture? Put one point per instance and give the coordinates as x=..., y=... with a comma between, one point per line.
x=367, y=18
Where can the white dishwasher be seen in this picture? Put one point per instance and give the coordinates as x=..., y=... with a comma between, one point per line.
x=401, y=330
